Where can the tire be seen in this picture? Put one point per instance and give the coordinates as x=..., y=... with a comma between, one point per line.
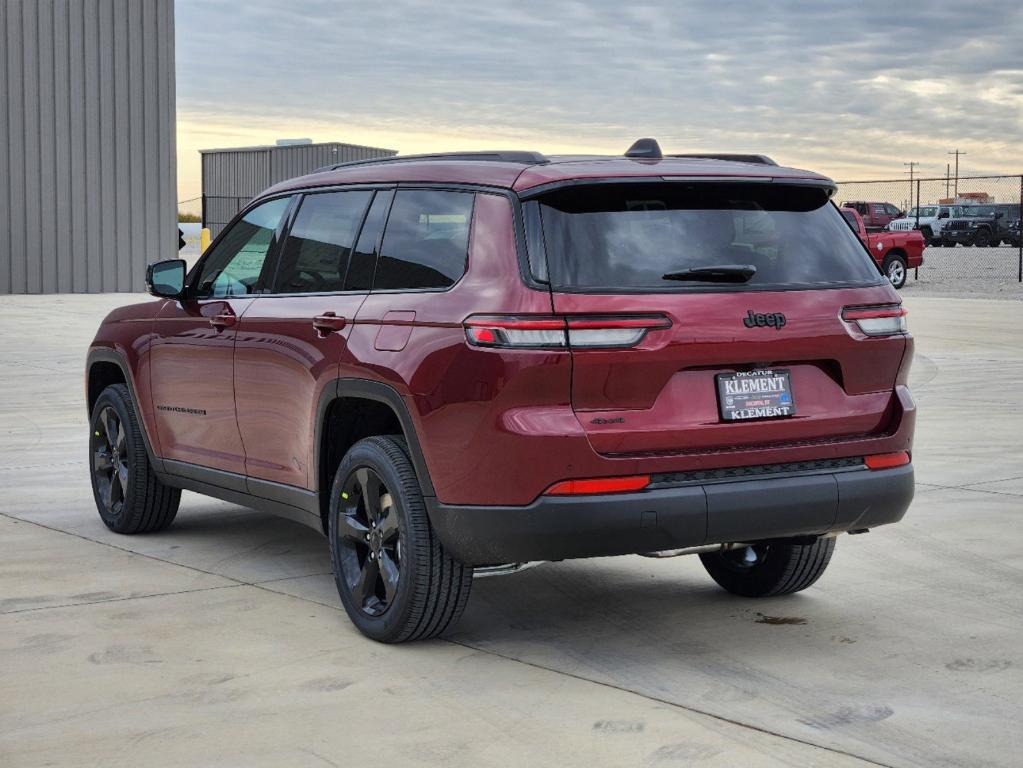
x=994, y=242
x=422, y=590
x=895, y=270
x=982, y=238
x=768, y=570
x=130, y=498
x=948, y=242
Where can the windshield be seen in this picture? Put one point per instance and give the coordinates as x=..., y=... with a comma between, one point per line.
x=635, y=236
x=979, y=211
x=929, y=211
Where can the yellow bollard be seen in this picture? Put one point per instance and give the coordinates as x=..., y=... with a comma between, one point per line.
x=204, y=240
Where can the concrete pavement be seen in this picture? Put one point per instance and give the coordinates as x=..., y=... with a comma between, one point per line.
x=222, y=642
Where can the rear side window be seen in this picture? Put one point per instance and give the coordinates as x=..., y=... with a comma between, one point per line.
x=612, y=237
x=319, y=245
x=426, y=241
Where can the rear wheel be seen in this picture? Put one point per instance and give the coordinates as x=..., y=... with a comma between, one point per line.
x=994, y=242
x=129, y=496
x=895, y=270
x=393, y=575
x=769, y=569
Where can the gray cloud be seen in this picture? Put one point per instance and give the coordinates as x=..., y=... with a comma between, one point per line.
x=866, y=83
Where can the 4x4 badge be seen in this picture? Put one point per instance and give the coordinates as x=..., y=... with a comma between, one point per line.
x=756, y=320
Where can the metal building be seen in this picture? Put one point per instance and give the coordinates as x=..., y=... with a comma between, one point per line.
x=87, y=155
x=232, y=177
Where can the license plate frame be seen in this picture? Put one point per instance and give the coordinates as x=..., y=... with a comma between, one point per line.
x=768, y=395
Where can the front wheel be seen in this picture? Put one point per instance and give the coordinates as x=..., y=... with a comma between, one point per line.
x=895, y=270
x=129, y=496
x=982, y=238
x=394, y=577
x=769, y=569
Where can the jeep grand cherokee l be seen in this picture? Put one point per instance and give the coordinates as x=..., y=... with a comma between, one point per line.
x=465, y=362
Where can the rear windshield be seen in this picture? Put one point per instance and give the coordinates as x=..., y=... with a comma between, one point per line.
x=614, y=237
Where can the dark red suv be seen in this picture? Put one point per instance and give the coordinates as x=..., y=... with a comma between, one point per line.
x=478, y=361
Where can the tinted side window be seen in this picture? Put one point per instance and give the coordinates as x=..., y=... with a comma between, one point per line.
x=234, y=267
x=364, y=258
x=319, y=245
x=426, y=241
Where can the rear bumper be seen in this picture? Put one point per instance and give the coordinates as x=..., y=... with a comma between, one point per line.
x=556, y=528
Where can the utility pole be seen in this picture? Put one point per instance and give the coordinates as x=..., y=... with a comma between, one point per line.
x=913, y=164
x=948, y=178
x=957, y=153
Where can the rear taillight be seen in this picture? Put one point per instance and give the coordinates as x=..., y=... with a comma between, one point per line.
x=562, y=332
x=599, y=485
x=884, y=320
x=887, y=460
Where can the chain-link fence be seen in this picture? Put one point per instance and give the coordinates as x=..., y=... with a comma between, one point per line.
x=971, y=224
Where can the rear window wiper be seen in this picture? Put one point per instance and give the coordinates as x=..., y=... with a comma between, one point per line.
x=720, y=273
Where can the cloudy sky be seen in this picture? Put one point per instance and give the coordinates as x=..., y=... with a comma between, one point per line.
x=852, y=89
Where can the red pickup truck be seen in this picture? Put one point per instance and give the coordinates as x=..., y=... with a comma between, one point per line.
x=895, y=252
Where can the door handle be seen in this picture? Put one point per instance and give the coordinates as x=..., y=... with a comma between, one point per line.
x=223, y=320
x=328, y=322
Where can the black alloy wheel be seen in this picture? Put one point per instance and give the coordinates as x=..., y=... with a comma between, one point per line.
x=369, y=541
x=110, y=461
x=129, y=496
x=395, y=579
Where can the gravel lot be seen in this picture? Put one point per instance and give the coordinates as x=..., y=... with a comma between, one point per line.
x=968, y=272
x=221, y=641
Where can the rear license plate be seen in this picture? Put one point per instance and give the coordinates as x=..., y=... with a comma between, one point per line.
x=747, y=395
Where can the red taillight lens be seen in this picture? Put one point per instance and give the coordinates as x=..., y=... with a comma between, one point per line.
x=562, y=332
x=884, y=320
x=887, y=460
x=599, y=485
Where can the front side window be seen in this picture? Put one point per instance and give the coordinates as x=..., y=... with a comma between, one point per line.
x=666, y=237
x=319, y=246
x=426, y=241
x=235, y=266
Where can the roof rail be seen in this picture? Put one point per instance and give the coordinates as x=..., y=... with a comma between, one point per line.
x=755, y=159
x=525, y=158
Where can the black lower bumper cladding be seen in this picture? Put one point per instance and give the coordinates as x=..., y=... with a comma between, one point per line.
x=684, y=515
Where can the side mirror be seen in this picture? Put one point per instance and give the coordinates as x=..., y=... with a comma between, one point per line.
x=999, y=215
x=943, y=215
x=166, y=278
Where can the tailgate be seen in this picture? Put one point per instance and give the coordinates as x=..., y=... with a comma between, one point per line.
x=661, y=396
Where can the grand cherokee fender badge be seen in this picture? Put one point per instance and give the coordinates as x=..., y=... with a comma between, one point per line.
x=756, y=320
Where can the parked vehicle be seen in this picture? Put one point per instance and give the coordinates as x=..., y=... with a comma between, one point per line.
x=1013, y=235
x=982, y=225
x=929, y=219
x=875, y=215
x=895, y=252
x=464, y=363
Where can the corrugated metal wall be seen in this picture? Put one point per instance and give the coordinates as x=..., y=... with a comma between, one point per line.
x=232, y=177
x=87, y=150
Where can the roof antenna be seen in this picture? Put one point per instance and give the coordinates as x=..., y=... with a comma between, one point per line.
x=645, y=149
